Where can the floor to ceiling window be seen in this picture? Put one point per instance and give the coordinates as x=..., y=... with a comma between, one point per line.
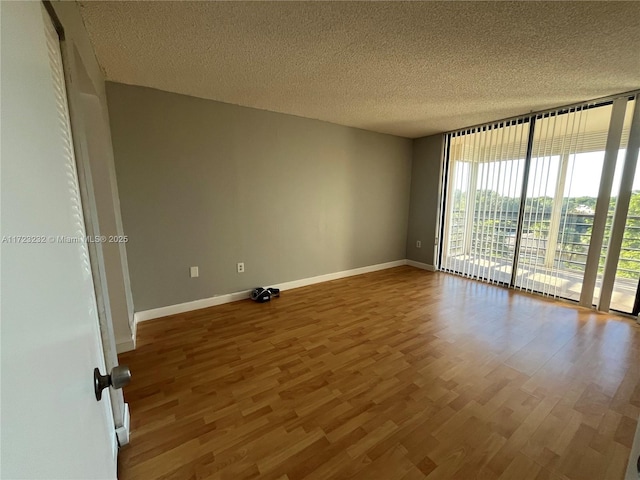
x=628, y=271
x=567, y=155
x=486, y=168
x=544, y=203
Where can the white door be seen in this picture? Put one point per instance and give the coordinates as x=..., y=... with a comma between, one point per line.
x=52, y=426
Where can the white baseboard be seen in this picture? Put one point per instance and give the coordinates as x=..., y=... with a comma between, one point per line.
x=154, y=313
x=122, y=433
x=145, y=315
x=423, y=266
x=126, y=345
x=134, y=329
x=335, y=276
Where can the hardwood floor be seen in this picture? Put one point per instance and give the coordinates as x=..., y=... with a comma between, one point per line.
x=397, y=374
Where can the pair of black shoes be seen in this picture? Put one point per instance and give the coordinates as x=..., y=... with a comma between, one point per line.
x=262, y=295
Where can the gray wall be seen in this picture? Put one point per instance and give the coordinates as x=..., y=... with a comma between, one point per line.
x=425, y=187
x=209, y=184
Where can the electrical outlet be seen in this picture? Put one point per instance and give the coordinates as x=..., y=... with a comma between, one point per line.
x=418, y=244
x=240, y=267
x=193, y=272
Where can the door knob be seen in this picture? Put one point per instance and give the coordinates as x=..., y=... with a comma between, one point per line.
x=119, y=377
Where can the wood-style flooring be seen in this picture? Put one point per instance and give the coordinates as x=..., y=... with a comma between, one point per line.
x=397, y=374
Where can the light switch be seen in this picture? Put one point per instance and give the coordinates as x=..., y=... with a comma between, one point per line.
x=193, y=272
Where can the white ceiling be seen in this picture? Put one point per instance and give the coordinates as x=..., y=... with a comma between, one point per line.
x=405, y=68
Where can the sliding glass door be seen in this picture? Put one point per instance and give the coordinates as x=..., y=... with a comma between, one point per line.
x=486, y=168
x=532, y=204
x=567, y=156
x=628, y=270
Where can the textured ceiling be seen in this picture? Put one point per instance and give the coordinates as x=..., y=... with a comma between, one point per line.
x=405, y=68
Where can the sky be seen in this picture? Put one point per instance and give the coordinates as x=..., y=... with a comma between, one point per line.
x=581, y=128
x=583, y=176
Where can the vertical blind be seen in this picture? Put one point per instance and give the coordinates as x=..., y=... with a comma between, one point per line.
x=566, y=164
x=629, y=260
x=520, y=198
x=485, y=184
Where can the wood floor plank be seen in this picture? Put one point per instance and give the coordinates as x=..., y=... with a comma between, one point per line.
x=397, y=374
